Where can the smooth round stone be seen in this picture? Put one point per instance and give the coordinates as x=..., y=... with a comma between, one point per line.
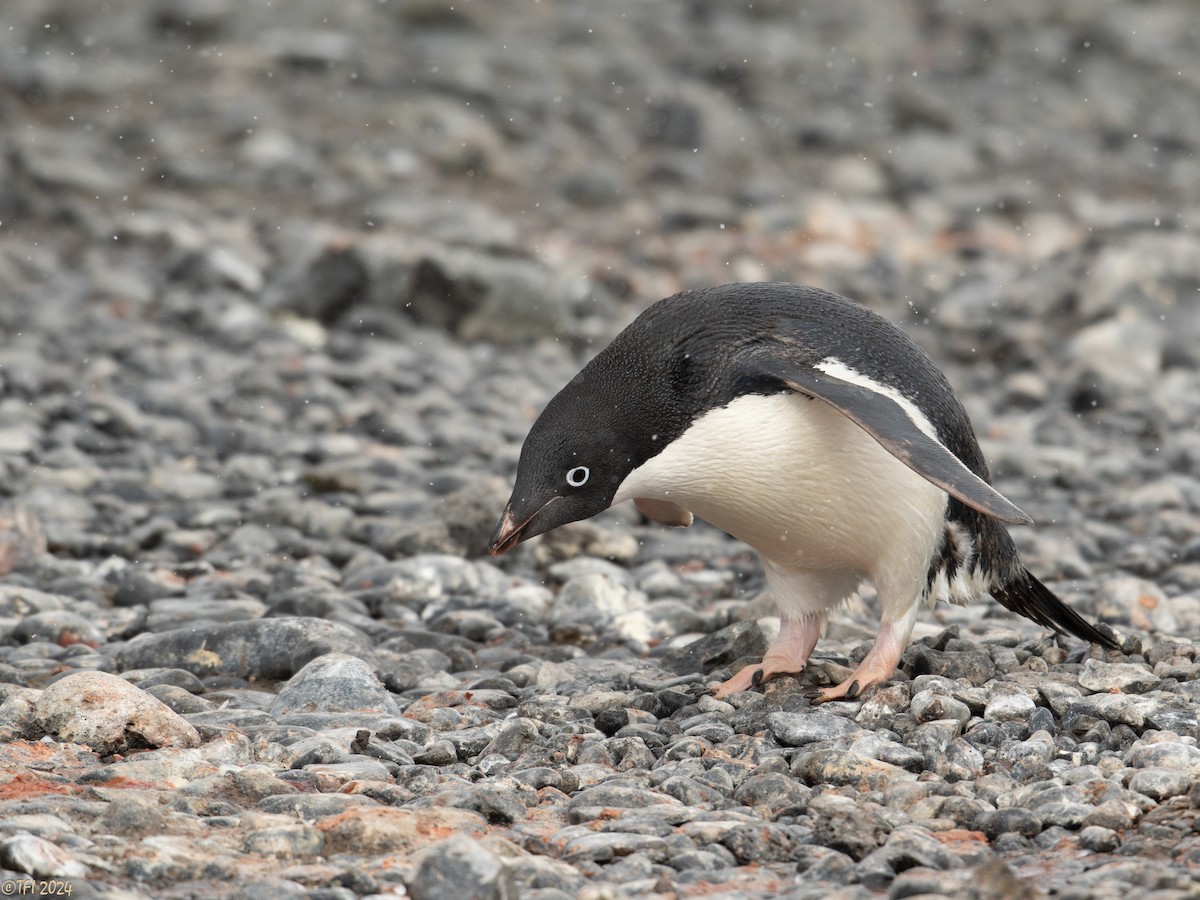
x=1114, y=814
x=313, y=806
x=933, y=737
x=798, y=729
x=439, y=753
x=331, y=777
x=907, y=847
x=1174, y=755
x=463, y=868
x=335, y=682
x=44, y=825
x=1118, y=709
x=976, y=666
x=498, y=800
x=928, y=706
x=596, y=600
x=109, y=714
x=1010, y=821
x=1059, y=696
x=851, y=828
x=1064, y=813
x=260, y=648
x=883, y=704
x=514, y=738
x=1129, y=678
x=181, y=701
x=1099, y=839
x=491, y=764
x=373, y=829
x=57, y=626
x=844, y=767
x=868, y=743
x=1159, y=783
x=693, y=792
x=1009, y=707
x=607, y=846
x=17, y=601
x=40, y=858
x=962, y=762
x=249, y=785
x=620, y=797
x=284, y=841
x=772, y=791
x=753, y=843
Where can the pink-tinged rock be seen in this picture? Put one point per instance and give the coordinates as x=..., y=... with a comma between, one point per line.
x=108, y=714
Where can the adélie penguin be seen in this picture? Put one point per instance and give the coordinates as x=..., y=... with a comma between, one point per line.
x=806, y=426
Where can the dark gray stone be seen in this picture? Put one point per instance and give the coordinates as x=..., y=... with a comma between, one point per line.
x=461, y=867
x=1010, y=821
x=264, y=648
x=713, y=651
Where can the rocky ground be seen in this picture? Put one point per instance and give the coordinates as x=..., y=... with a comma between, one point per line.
x=282, y=286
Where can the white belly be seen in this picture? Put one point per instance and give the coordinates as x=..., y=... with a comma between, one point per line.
x=801, y=484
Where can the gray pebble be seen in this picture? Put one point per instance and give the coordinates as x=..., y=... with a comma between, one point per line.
x=1129, y=678
x=1010, y=821
x=181, y=701
x=461, y=867
x=847, y=767
x=284, y=841
x=905, y=848
x=311, y=806
x=1160, y=783
x=57, y=626
x=263, y=648
x=742, y=639
x=40, y=858
x=334, y=682
x=798, y=729
x=928, y=705
x=1099, y=839
x=1009, y=706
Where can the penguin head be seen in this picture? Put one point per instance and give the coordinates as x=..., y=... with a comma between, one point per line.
x=626, y=405
x=574, y=459
x=636, y=397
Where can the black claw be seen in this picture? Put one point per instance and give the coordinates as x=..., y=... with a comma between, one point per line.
x=812, y=696
x=757, y=678
x=852, y=692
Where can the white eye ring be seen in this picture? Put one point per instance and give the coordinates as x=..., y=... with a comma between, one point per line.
x=578, y=476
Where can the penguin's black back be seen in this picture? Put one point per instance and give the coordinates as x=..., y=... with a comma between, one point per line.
x=704, y=339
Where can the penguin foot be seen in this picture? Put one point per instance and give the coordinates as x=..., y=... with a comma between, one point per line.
x=787, y=655
x=876, y=668
x=753, y=676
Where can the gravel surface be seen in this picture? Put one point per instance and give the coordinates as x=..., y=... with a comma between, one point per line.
x=282, y=286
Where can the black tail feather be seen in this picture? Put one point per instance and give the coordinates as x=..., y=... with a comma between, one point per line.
x=1027, y=596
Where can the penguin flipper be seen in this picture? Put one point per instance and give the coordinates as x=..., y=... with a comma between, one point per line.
x=892, y=427
x=664, y=512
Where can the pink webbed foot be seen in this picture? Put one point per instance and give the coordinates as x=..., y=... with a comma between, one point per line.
x=787, y=655
x=877, y=667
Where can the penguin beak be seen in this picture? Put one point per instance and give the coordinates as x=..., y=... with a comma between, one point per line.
x=510, y=532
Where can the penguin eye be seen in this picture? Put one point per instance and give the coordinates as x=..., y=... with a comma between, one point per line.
x=578, y=476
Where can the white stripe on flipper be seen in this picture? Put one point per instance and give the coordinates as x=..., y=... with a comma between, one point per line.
x=835, y=368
